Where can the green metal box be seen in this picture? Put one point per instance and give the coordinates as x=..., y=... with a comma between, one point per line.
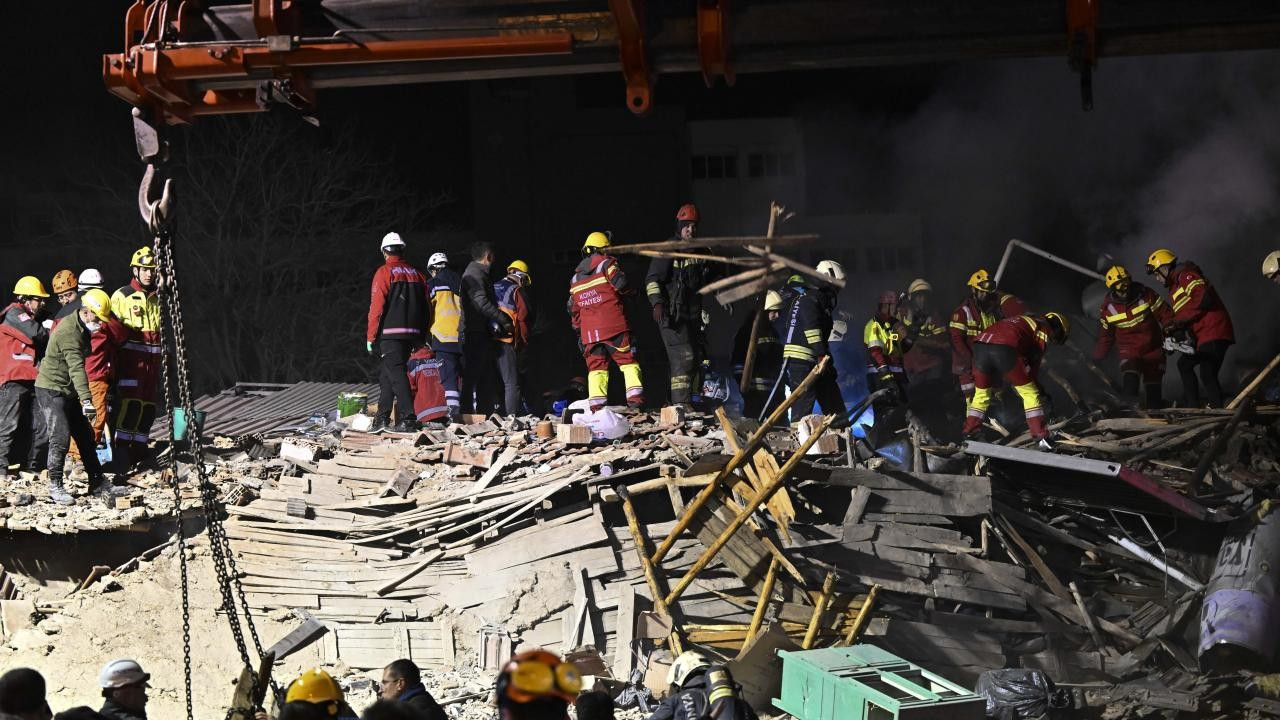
x=864, y=682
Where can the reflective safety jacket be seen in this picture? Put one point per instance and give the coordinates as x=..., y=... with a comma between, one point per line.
x=805, y=322
x=768, y=362
x=397, y=303
x=932, y=344
x=674, y=283
x=1025, y=334
x=139, y=311
x=970, y=319
x=514, y=303
x=1197, y=305
x=448, y=323
x=886, y=341
x=428, y=391
x=1133, y=325
x=22, y=342
x=699, y=700
x=595, y=299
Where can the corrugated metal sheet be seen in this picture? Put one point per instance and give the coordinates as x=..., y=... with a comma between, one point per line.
x=251, y=408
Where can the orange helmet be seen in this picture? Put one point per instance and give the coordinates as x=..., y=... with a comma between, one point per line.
x=536, y=675
x=688, y=212
x=64, y=281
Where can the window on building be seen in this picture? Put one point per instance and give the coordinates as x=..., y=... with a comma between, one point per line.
x=714, y=167
x=771, y=164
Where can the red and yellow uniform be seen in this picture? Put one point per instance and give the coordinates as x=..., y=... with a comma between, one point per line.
x=595, y=305
x=1197, y=307
x=967, y=323
x=1133, y=325
x=1010, y=351
x=137, y=363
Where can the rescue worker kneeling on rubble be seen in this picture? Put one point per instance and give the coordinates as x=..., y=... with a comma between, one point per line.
x=596, y=291
x=807, y=316
x=701, y=690
x=1131, y=316
x=982, y=309
x=1012, y=350
x=537, y=685
x=1198, y=312
x=318, y=689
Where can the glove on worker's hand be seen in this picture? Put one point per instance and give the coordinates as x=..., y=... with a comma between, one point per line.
x=88, y=410
x=660, y=314
x=505, y=325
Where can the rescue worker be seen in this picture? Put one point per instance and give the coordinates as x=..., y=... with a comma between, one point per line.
x=1132, y=316
x=100, y=366
x=63, y=396
x=537, y=685
x=984, y=306
x=429, y=402
x=700, y=690
x=64, y=288
x=924, y=360
x=886, y=340
x=22, y=695
x=318, y=687
x=596, y=291
x=1011, y=350
x=89, y=279
x=1199, y=312
x=768, y=360
x=22, y=344
x=1271, y=266
x=513, y=301
x=124, y=686
x=448, y=324
x=138, y=361
x=804, y=326
x=397, y=319
x=672, y=286
x=478, y=368
x=402, y=683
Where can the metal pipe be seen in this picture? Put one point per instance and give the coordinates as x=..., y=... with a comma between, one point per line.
x=1158, y=563
x=1008, y=251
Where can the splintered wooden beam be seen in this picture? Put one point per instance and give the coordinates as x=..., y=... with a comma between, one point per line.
x=714, y=242
x=766, y=592
x=819, y=607
x=650, y=573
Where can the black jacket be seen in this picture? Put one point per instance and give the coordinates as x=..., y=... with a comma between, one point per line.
x=674, y=283
x=424, y=706
x=692, y=703
x=806, y=320
x=112, y=711
x=478, y=300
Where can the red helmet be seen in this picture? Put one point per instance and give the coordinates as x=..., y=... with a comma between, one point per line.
x=688, y=212
x=888, y=297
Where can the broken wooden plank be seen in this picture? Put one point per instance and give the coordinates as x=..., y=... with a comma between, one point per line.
x=491, y=474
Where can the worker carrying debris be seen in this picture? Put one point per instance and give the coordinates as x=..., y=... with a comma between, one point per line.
x=1012, y=349
x=447, y=327
x=64, y=398
x=596, y=291
x=397, y=316
x=808, y=307
x=672, y=285
x=984, y=306
x=768, y=359
x=701, y=690
x=479, y=393
x=537, y=685
x=22, y=342
x=513, y=301
x=1132, y=317
x=886, y=340
x=1199, y=313
x=138, y=360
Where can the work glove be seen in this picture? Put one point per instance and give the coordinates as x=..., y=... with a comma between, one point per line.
x=47, y=324
x=368, y=346
x=660, y=314
x=88, y=410
x=505, y=326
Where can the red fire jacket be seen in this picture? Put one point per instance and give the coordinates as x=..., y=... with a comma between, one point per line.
x=1133, y=326
x=398, y=307
x=100, y=362
x=969, y=320
x=428, y=391
x=1197, y=306
x=595, y=299
x=1025, y=334
x=22, y=340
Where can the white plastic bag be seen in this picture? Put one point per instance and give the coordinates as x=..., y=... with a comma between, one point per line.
x=604, y=423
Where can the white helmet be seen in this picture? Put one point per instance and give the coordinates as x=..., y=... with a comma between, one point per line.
x=392, y=239
x=1270, y=264
x=438, y=260
x=772, y=301
x=919, y=285
x=684, y=666
x=831, y=269
x=90, y=278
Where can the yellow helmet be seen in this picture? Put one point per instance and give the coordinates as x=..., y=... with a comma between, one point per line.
x=1271, y=264
x=1056, y=318
x=30, y=286
x=772, y=301
x=521, y=266
x=1160, y=257
x=1115, y=274
x=64, y=281
x=315, y=686
x=981, y=280
x=98, y=302
x=143, y=258
x=919, y=285
x=598, y=240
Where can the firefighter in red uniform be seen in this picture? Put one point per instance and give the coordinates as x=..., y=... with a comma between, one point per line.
x=1199, y=311
x=22, y=342
x=1132, y=316
x=398, y=317
x=137, y=359
x=595, y=304
x=1012, y=350
x=984, y=306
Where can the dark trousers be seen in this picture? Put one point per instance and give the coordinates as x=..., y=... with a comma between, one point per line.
x=21, y=429
x=508, y=359
x=450, y=376
x=479, y=394
x=63, y=420
x=825, y=390
x=393, y=380
x=685, y=350
x=1208, y=357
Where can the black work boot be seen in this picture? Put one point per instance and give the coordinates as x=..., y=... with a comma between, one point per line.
x=379, y=424
x=405, y=426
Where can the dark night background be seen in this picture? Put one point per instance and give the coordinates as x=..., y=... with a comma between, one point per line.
x=913, y=171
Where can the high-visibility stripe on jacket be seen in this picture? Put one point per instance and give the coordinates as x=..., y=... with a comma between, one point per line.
x=398, y=302
x=429, y=402
x=1197, y=305
x=595, y=299
x=674, y=283
x=884, y=346
x=805, y=322
x=1133, y=326
x=1025, y=334
x=448, y=323
x=139, y=311
x=511, y=301
x=970, y=319
x=22, y=342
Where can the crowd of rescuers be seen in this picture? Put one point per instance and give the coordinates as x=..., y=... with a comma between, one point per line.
x=533, y=685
